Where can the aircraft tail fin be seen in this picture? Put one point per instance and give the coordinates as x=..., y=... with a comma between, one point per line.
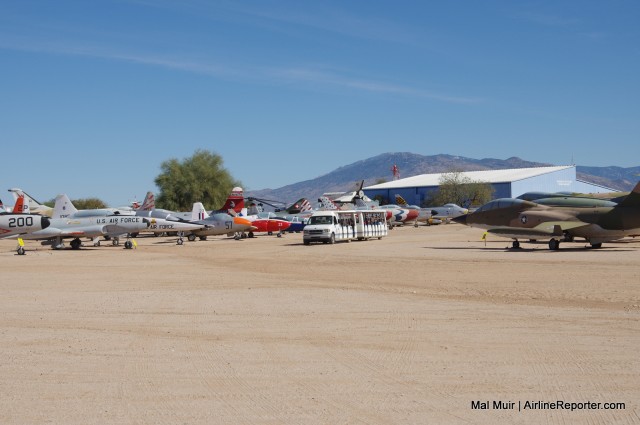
x=149, y=202
x=198, y=212
x=632, y=199
x=33, y=205
x=327, y=203
x=301, y=205
x=401, y=201
x=20, y=206
x=63, y=207
x=235, y=201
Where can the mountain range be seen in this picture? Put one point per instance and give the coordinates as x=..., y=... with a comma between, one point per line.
x=378, y=169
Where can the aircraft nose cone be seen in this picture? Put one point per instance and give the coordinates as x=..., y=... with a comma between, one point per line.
x=241, y=221
x=44, y=222
x=462, y=219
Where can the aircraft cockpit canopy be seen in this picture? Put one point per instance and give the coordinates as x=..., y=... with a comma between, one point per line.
x=504, y=203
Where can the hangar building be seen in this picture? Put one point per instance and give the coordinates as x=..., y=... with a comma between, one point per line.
x=506, y=183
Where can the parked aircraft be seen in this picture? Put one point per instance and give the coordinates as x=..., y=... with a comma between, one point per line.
x=297, y=214
x=424, y=214
x=18, y=225
x=520, y=219
x=448, y=211
x=65, y=224
x=266, y=222
x=35, y=207
x=217, y=224
x=568, y=200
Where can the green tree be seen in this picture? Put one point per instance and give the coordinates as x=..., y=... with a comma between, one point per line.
x=88, y=203
x=81, y=204
x=199, y=178
x=459, y=189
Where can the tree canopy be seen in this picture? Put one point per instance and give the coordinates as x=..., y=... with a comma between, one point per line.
x=459, y=189
x=199, y=178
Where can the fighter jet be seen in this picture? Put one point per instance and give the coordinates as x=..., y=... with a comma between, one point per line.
x=65, y=224
x=35, y=207
x=520, y=219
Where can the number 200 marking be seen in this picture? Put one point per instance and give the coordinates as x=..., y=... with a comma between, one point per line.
x=21, y=221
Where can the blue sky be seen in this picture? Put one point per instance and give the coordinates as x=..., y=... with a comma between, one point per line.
x=94, y=95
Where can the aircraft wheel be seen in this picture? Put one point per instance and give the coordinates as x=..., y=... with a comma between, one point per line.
x=596, y=245
x=96, y=243
x=516, y=245
x=128, y=245
x=191, y=237
x=332, y=239
x=179, y=242
x=279, y=234
x=554, y=244
x=237, y=237
x=134, y=234
x=251, y=234
x=269, y=233
x=243, y=235
x=203, y=238
x=21, y=250
x=107, y=237
x=75, y=244
x=115, y=242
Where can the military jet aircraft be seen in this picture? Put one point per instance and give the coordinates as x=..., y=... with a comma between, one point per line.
x=35, y=207
x=520, y=219
x=217, y=224
x=65, y=224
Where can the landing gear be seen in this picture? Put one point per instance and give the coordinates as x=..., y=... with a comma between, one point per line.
x=179, y=241
x=515, y=245
x=279, y=234
x=76, y=244
x=554, y=244
x=116, y=241
x=203, y=238
x=596, y=245
x=128, y=245
x=191, y=237
x=21, y=250
x=251, y=234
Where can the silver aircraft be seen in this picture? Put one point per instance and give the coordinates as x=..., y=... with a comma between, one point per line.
x=65, y=223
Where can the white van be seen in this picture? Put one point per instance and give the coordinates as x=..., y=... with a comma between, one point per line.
x=345, y=225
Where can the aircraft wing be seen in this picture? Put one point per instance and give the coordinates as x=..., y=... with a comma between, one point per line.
x=545, y=230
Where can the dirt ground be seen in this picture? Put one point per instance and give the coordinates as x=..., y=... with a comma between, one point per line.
x=410, y=329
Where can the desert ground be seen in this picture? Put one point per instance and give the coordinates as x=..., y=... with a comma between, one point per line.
x=410, y=329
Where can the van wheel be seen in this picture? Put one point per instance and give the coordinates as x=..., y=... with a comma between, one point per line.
x=332, y=240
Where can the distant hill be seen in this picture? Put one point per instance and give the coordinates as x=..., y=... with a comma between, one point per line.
x=378, y=168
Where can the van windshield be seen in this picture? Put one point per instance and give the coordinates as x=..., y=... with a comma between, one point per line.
x=321, y=219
